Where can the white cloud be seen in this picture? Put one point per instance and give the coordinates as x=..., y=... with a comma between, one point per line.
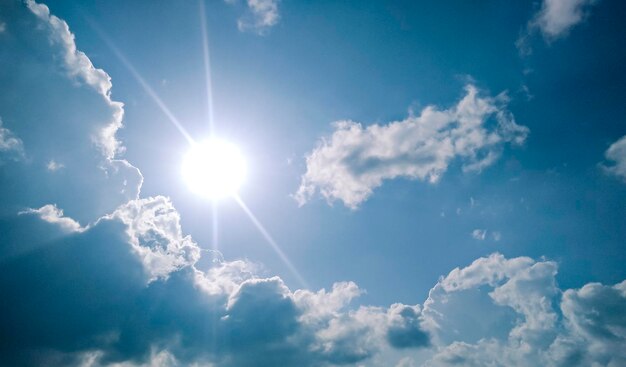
x=355, y=159
x=260, y=16
x=495, y=310
x=3, y=27
x=10, y=144
x=153, y=228
x=63, y=98
x=557, y=17
x=51, y=214
x=515, y=305
x=554, y=20
x=53, y=165
x=78, y=65
x=479, y=234
x=617, y=155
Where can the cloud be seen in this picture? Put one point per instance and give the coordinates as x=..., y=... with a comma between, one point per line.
x=260, y=16
x=554, y=20
x=557, y=17
x=479, y=234
x=90, y=297
x=500, y=311
x=10, y=145
x=62, y=98
x=617, y=155
x=53, y=166
x=126, y=288
x=355, y=159
x=79, y=66
x=51, y=214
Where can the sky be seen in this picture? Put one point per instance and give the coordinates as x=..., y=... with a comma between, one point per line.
x=428, y=183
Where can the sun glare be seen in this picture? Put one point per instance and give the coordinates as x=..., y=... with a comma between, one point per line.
x=214, y=169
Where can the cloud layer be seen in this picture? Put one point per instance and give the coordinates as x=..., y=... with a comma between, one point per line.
x=355, y=160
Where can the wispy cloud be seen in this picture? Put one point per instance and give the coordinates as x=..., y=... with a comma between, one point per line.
x=554, y=20
x=260, y=15
x=355, y=159
x=10, y=145
x=54, y=166
x=51, y=214
x=479, y=234
x=557, y=17
x=616, y=154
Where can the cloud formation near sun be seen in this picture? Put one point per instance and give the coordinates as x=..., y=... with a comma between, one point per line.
x=355, y=160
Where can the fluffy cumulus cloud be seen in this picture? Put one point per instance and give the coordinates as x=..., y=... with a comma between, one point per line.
x=129, y=288
x=356, y=159
x=126, y=287
x=58, y=114
x=616, y=154
x=510, y=312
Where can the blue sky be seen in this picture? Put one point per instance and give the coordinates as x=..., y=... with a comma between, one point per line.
x=446, y=183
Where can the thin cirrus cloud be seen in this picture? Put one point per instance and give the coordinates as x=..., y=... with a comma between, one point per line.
x=357, y=159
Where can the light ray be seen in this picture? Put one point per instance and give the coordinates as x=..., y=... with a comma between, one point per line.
x=207, y=66
x=118, y=53
x=271, y=241
x=214, y=235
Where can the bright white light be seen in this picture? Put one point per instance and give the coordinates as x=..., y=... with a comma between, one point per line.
x=214, y=169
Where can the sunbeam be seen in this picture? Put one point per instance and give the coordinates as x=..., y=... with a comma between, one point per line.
x=271, y=241
x=207, y=66
x=118, y=53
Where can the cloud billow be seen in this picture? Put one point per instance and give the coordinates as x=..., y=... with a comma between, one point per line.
x=355, y=160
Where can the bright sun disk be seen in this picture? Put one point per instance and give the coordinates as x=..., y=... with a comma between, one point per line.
x=214, y=169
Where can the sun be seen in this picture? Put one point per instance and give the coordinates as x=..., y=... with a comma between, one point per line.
x=214, y=169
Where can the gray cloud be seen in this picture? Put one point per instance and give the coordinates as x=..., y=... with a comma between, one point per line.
x=126, y=289
x=355, y=159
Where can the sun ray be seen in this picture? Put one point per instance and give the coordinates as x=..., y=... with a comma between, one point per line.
x=207, y=66
x=146, y=87
x=271, y=241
